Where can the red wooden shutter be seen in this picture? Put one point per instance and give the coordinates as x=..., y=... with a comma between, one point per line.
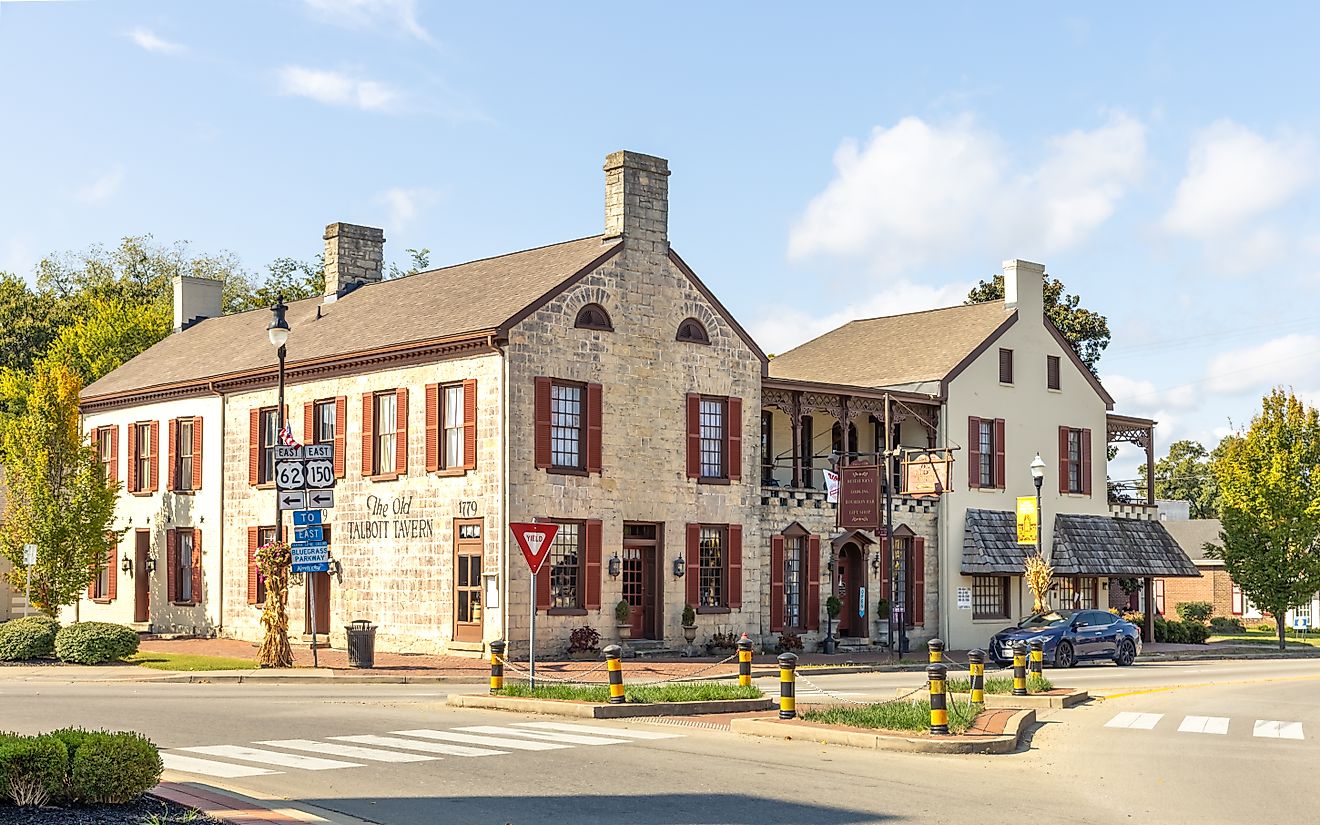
x=693, y=435
x=154, y=443
x=543, y=588
x=368, y=412
x=886, y=564
x=999, y=454
x=197, y=454
x=253, y=534
x=1086, y=462
x=309, y=422
x=341, y=424
x=172, y=565
x=470, y=424
x=733, y=438
x=254, y=446
x=734, y=555
x=197, y=567
x=813, y=583
x=114, y=453
x=919, y=580
x=591, y=599
x=973, y=452
x=432, y=407
x=776, y=583
x=593, y=427
x=171, y=472
x=113, y=575
x=541, y=421
x=401, y=431
x=693, y=572
x=1063, y=459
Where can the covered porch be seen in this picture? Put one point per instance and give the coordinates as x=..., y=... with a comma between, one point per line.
x=1131, y=497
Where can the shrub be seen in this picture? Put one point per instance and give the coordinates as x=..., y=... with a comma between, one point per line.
x=1197, y=633
x=27, y=638
x=689, y=616
x=789, y=642
x=1223, y=626
x=584, y=639
x=33, y=769
x=1195, y=611
x=113, y=768
x=724, y=641
x=622, y=610
x=1265, y=627
x=91, y=643
x=1136, y=617
x=1175, y=632
x=833, y=606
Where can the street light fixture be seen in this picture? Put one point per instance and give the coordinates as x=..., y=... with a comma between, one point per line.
x=278, y=333
x=1038, y=476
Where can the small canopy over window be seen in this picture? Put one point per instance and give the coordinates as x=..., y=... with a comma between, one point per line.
x=593, y=316
x=692, y=331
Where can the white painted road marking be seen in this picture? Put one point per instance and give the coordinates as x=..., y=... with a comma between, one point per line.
x=410, y=744
x=1273, y=729
x=205, y=767
x=493, y=741
x=1137, y=721
x=601, y=729
x=350, y=751
x=571, y=738
x=1204, y=724
x=287, y=760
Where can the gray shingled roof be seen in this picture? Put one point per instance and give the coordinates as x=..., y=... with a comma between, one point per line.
x=1105, y=546
x=1192, y=535
x=990, y=543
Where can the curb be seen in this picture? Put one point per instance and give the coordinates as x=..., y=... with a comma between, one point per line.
x=773, y=728
x=1007, y=701
x=587, y=710
x=290, y=679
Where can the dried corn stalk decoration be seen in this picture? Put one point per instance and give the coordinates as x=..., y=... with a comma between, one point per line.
x=273, y=562
x=1039, y=576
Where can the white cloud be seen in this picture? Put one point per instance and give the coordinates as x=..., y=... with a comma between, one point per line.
x=1235, y=175
x=404, y=204
x=919, y=192
x=359, y=13
x=338, y=89
x=1290, y=360
x=101, y=189
x=150, y=41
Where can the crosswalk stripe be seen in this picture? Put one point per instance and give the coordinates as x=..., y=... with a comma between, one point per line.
x=1204, y=724
x=1136, y=721
x=412, y=744
x=1274, y=729
x=571, y=738
x=287, y=760
x=351, y=751
x=205, y=767
x=473, y=739
x=631, y=734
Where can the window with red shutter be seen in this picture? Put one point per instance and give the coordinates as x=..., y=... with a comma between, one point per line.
x=973, y=452
x=341, y=426
x=253, y=577
x=470, y=424
x=254, y=446
x=197, y=567
x=776, y=584
x=155, y=456
x=918, y=581
x=171, y=566
x=368, y=433
x=692, y=551
x=693, y=435
x=172, y=471
x=733, y=437
x=401, y=431
x=734, y=567
x=309, y=422
x=197, y=453
x=1000, y=474
x=813, y=583
x=114, y=453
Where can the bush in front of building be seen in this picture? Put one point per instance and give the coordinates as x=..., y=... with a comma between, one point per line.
x=91, y=643
x=1225, y=626
x=32, y=769
x=77, y=766
x=28, y=638
x=1181, y=633
x=1197, y=612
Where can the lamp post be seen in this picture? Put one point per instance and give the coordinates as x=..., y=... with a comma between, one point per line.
x=1038, y=476
x=278, y=332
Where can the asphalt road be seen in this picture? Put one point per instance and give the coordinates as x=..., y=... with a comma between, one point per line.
x=1153, y=752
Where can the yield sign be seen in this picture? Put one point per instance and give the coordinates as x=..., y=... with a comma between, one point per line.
x=535, y=541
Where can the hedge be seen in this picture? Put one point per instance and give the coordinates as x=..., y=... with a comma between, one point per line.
x=91, y=643
x=77, y=766
x=28, y=638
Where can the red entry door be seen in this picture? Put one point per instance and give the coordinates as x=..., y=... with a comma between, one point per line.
x=141, y=578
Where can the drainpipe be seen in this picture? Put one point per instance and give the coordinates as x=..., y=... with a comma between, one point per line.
x=220, y=601
x=503, y=525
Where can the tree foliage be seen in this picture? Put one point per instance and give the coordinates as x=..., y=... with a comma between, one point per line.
x=1269, y=484
x=1087, y=331
x=58, y=497
x=1184, y=474
x=27, y=323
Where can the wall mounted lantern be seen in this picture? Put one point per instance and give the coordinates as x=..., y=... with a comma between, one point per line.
x=615, y=566
x=680, y=567
x=126, y=565
x=151, y=564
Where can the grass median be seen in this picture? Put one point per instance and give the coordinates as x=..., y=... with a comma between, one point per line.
x=893, y=716
x=637, y=694
x=1001, y=684
x=189, y=662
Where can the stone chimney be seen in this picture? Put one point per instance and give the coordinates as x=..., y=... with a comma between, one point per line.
x=353, y=255
x=195, y=299
x=637, y=201
x=1024, y=288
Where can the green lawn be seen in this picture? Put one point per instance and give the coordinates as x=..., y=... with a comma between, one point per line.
x=896, y=716
x=1001, y=684
x=189, y=661
x=641, y=694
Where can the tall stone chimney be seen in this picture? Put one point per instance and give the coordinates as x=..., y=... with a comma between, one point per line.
x=637, y=201
x=1024, y=288
x=352, y=254
x=195, y=299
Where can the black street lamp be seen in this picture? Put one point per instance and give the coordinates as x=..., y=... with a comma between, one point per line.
x=278, y=332
x=1038, y=476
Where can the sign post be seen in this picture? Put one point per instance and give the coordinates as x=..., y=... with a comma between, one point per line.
x=306, y=475
x=29, y=559
x=534, y=539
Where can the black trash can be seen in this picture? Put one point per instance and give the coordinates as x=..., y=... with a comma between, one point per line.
x=361, y=643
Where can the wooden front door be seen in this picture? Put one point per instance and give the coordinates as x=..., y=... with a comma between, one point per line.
x=641, y=579
x=318, y=583
x=467, y=580
x=850, y=587
x=141, y=578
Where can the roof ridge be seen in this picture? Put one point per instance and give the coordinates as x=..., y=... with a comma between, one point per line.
x=923, y=311
x=501, y=255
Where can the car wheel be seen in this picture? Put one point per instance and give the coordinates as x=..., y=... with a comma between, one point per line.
x=1063, y=655
x=1127, y=653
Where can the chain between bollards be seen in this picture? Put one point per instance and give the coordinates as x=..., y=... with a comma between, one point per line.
x=936, y=648
x=1037, y=657
x=1019, y=668
x=744, y=661
x=787, y=668
x=615, y=669
x=976, y=675
x=936, y=676
x=496, y=666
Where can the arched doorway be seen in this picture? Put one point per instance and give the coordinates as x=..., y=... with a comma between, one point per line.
x=850, y=587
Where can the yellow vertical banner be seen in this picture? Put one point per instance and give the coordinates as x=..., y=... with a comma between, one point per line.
x=1028, y=521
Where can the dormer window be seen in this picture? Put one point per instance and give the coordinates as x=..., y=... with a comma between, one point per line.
x=593, y=316
x=692, y=331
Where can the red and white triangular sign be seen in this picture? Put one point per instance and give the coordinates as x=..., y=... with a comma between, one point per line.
x=535, y=541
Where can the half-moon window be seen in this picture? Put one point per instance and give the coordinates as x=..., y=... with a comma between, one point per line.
x=693, y=332
x=593, y=316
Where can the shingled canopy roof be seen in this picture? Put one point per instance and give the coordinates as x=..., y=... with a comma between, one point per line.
x=990, y=543
x=1104, y=546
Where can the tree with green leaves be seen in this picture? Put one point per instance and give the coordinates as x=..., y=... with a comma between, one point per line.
x=27, y=322
x=1184, y=475
x=57, y=495
x=1087, y=331
x=1269, y=485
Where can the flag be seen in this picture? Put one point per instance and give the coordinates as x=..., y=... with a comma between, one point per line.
x=831, y=487
x=286, y=437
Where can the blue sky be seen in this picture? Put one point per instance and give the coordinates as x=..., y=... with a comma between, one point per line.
x=828, y=163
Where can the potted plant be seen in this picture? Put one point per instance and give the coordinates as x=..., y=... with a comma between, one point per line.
x=584, y=643
x=833, y=607
x=689, y=623
x=622, y=620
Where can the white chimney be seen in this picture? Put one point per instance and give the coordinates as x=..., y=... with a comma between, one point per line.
x=196, y=299
x=1024, y=288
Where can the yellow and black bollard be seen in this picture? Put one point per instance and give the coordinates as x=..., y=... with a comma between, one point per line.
x=1019, y=668
x=976, y=675
x=787, y=665
x=939, y=699
x=496, y=666
x=936, y=647
x=1037, y=665
x=615, y=669
x=744, y=661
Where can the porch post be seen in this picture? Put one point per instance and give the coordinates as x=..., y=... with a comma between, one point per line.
x=795, y=419
x=1148, y=620
x=845, y=427
x=1150, y=466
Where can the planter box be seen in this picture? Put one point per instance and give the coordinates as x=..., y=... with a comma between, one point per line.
x=591, y=710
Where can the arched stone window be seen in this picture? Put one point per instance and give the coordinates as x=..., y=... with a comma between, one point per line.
x=593, y=316
x=692, y=331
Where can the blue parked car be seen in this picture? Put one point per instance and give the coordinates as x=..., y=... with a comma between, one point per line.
x=1071, y=636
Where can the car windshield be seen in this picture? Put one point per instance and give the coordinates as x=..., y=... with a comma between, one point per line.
x=1052, y=618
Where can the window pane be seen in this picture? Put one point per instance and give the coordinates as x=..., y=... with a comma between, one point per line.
x=566, y=425
x=1075, y=461
x=989, y=597
x=386, y=425
x=323, y=431
x=564, y=561
x=712, y=438
x=270, y=425
x=987, y=457
x=183, y=447
x=184, y=550
x=711, y=574
x=794, y=562
x=453, y=426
